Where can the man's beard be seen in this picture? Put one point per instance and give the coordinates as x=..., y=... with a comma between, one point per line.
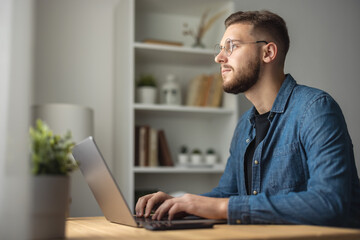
x=245, y=79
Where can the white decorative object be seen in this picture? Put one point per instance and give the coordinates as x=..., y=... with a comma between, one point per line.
x=171, y=91
x=146, y=95
x=196, y=158
x=210, y=159
x=183, y=159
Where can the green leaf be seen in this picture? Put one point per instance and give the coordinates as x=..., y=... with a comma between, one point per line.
x=50, y=154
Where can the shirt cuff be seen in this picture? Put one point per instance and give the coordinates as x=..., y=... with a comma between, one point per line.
x=239, y=210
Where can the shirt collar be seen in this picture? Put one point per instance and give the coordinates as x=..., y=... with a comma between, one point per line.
x=284, y=94
x=281, y=98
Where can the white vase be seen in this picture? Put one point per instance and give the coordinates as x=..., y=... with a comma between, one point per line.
x=50, y=206
x=171, y=91
x=183, y=159
x=196, y=159
x=210, y=159
x=146, y=95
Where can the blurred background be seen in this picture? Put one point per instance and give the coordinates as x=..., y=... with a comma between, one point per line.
x=77, y=51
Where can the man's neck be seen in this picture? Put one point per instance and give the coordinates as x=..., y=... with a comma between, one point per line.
x=263, y=94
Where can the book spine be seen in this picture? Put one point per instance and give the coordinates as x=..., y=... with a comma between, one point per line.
x=153, y=149
x=137, y=146
x=144, y=146
x=194, y=90
x=165, y=158
x=207, y=90
x=218, y=91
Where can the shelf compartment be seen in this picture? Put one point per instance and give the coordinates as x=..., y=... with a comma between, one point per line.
x=202, y=130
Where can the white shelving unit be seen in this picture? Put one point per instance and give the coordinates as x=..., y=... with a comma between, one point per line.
x=196, y=127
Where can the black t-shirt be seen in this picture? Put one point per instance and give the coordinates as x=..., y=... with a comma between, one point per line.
x=262, y=125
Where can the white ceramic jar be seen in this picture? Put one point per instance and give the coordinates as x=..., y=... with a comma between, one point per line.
x=171, y=91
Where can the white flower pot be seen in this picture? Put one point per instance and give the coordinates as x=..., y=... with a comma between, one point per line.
x=183, y=159
x=146, y=95
x=50, y=206
x=211, y=159
x=196, y=159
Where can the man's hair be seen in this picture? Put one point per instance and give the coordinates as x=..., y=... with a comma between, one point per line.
x=266, y=22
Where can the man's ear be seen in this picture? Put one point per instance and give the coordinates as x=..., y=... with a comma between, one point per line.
x=270, y=52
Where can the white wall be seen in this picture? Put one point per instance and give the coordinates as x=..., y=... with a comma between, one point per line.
x=74, y=63
x=15, y=93
x=324, y=52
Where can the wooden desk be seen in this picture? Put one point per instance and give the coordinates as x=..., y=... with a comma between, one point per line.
x=100, y=228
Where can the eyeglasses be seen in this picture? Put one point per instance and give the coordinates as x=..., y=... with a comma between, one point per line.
x=229, y=46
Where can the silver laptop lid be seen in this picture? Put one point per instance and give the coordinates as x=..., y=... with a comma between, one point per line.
x=102, y=183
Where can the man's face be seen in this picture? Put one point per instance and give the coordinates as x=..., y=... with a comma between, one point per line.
x=240, y=71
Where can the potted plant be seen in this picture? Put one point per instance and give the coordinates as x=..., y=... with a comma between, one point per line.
x=51, y=163
x=146, y=89
x=210, y=157
x=183, y=157
x=196, y=157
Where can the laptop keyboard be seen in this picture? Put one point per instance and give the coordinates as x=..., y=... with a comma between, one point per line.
x=165, y=224
x=150, y=220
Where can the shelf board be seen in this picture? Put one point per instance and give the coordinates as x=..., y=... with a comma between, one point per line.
x=181, y=49
x=173, y=55
x=181, y=109
x=179, y=169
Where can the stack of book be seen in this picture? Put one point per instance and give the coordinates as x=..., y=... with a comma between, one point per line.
x=205, y=91
x=151, y=147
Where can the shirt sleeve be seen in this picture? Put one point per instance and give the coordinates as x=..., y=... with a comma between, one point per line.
x=325, y=140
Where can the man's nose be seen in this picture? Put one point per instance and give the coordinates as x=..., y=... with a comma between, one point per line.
x=221, y=57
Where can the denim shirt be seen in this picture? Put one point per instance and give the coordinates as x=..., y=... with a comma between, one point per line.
x=303, y=171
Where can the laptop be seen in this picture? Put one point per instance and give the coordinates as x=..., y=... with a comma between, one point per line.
x=110, y=199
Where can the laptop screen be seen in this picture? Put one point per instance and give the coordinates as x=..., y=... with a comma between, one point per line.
x=102, y=183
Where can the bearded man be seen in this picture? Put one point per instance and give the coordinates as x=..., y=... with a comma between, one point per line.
x=291, y=157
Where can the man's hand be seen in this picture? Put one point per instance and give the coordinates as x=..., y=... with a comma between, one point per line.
x=149, y=202
x=214, y=208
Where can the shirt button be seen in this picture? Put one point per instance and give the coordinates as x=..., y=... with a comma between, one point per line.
x=238, y=221
x=247, y=140
x=255, y=192
x=256, y=162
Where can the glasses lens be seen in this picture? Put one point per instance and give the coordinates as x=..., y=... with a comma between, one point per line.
x=228, y=47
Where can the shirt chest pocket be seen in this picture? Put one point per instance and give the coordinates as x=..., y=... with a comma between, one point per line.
x=285, y=172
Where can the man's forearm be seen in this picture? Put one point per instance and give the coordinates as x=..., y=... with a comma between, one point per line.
x=214, y=208
x=308, y=207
